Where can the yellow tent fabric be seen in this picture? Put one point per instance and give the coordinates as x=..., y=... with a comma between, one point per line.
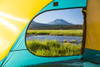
x=93, y=25
x=14, y=18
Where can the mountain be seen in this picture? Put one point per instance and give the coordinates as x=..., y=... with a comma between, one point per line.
x=60, y=22
x=56, y=23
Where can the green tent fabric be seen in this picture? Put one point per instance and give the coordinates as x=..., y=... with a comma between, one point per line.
x=19, y=56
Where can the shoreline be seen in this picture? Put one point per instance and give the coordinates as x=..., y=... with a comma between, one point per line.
x=52, y=35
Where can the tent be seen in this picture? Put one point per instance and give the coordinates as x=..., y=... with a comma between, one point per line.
x=15, y=16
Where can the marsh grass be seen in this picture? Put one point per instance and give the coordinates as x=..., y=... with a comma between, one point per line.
x=53, y=48
x=55, y=32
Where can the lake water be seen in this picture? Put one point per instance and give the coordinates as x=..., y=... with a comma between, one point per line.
x=58, y=38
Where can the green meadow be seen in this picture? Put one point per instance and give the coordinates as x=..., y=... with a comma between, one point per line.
x=55, y=32
x=53, y=48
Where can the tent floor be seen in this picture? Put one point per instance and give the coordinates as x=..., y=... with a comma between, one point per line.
x=68, y=63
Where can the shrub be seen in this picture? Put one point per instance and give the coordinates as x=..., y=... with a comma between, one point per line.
x=72, y=41
x=65, y=41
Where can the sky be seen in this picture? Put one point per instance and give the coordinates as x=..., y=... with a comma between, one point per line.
x=73, y=16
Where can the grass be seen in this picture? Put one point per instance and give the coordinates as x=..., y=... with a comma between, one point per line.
x=53, y=48
x=55, y=32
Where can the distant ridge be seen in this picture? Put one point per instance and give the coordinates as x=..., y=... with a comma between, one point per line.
x=37, y=24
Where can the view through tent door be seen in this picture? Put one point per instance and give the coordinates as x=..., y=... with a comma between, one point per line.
x=56, y=33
